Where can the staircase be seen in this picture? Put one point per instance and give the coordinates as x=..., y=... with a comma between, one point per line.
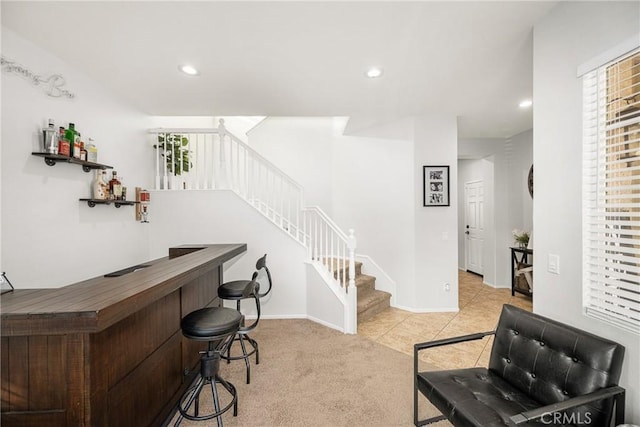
x=214, y=159
x=370, y=300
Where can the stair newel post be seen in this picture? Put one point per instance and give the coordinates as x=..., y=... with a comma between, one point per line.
x=352, y=259
x=351, y=308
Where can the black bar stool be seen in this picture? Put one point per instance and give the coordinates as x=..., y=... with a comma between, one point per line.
x=244, y=289
x=218, y=326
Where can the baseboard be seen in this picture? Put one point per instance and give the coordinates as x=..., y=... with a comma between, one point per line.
x=428, y=310
x=323, y=323
x=293, y=317
x=491, y=285
x=278, y=316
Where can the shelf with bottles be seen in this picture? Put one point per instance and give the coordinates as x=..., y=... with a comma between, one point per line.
x=117, y=203
x=87, y=166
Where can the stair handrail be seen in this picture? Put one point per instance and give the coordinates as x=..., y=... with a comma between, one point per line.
x=223, y=131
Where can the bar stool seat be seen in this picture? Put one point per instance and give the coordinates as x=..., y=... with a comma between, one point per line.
x=218, y=326
x=210, y=322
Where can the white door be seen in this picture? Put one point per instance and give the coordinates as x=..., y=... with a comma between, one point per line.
x=474, y=226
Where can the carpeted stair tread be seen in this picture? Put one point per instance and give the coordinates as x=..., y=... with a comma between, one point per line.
x=372, y=303
x=365, y=284
x=370, y=300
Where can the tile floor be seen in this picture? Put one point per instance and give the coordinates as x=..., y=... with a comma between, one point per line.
x=480, y=307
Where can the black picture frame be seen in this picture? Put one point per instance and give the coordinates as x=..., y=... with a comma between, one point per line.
x=435, y=186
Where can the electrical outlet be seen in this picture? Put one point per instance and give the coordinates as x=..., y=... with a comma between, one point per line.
x=447, y=287
x=553, y=264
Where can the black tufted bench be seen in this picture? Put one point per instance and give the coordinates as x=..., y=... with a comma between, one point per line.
x=541, y=372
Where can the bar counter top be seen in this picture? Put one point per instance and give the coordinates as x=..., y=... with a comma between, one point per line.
x=95, y=304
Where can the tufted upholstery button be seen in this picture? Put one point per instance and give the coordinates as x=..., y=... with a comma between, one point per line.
x=565, y=392
x=541, y=344
x=575, y=359
x=533, y=375
x=516, y=332
x=508, y=360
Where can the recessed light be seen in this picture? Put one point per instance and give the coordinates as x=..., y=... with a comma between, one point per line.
x=188, y=69
x=374, y=72
x=525, y=103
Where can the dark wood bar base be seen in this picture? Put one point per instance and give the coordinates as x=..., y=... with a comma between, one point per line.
x=107, y=351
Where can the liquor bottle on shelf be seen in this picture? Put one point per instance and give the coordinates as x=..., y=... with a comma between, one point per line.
x=83, y=152
x=115, y=187
x=70, y=135
x=105, y=185
x=63, y=143
x=92, y=152
x=76, y=145
x=50, y=138
x=99, y=186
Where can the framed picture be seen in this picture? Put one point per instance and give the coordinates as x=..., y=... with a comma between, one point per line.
x=435, y=185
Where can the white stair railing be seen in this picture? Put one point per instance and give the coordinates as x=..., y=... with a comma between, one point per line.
x=214, y=159
x=327, y=244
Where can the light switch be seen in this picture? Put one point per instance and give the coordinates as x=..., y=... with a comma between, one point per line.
x=553, y=264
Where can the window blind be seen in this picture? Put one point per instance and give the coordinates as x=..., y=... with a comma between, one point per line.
x=611, y=192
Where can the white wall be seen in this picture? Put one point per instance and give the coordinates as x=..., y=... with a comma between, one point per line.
x=373, y=193
x=324, y=306
x=570, y=35
x=49, y=238
x=436, y=228
x=222, y=217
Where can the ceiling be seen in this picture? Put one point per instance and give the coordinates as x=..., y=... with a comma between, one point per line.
x=469, y=59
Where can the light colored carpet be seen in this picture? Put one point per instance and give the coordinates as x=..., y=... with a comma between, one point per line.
x=310, y=375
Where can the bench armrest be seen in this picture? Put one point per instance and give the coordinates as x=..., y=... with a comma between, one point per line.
x=534, y=414
x=447, y=341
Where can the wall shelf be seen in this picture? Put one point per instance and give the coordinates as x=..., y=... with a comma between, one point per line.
x=117, y=203
x=52, y=159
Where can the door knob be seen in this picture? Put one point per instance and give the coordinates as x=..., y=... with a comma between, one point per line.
x=466, y=232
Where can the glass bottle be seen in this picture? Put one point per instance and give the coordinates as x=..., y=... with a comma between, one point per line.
x=76, y=145
x=83, y=152
x=105, y=185
x=115, y=187
x=70, y=135
x=98, y=187
x=50, y=138
x=63, y=143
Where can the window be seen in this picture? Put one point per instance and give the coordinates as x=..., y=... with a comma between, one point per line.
x=611, y=197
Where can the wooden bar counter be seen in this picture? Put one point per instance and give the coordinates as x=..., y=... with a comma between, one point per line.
x=107, y=351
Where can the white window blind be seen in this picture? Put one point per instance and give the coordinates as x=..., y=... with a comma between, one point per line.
x=611, y=195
